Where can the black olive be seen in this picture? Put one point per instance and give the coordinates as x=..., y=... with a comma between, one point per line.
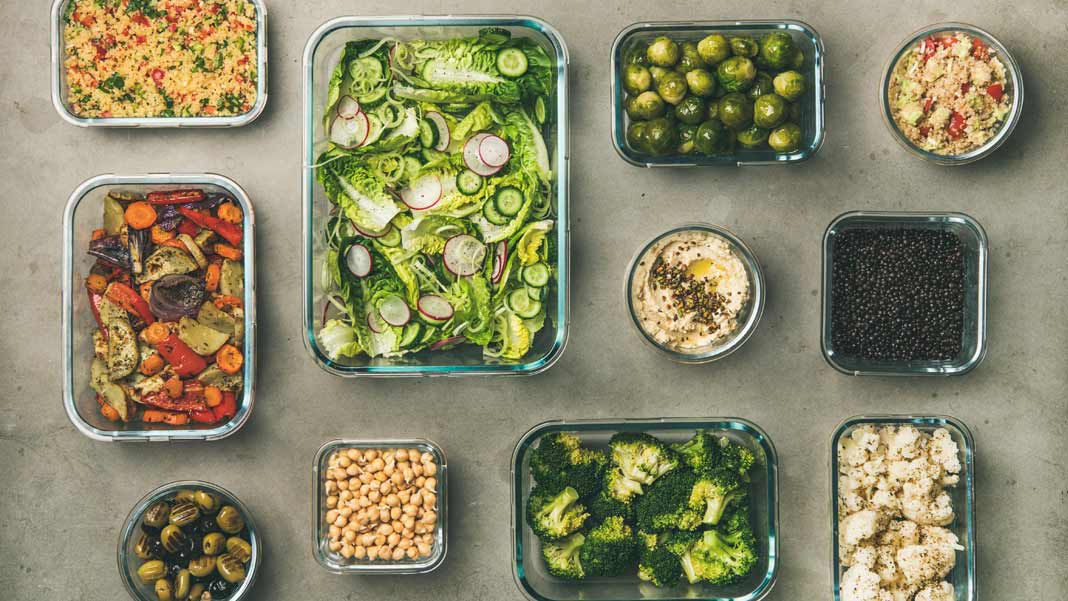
x=172, y=570
x=220, y=588
x=150, y=530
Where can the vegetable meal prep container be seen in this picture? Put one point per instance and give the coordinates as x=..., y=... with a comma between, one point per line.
x=962, y=495
x=80, y=218
x=812, y=124
x=537, y=584
x=320, y=57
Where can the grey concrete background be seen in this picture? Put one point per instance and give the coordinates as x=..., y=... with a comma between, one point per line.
x=64, y=496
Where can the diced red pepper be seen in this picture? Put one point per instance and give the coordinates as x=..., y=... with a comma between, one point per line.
x=202, y=416
x=995, y=91
x=965, y=88
x=979, y=49
x=157, y=76
x=956, y=126
x=230, y=232
x=173, y=27
x=174, y=197
x=128, y=298
x=227, y=408
x=140, y=19
x=927, y=103
x=185, y=361
x=94, y=306
x=187, y=227
x=929, y=49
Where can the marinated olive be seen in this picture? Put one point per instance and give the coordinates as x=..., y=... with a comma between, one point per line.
x=184, y=496
x=636, y=135
x=143, y=547
x=735, y=111
x=689, y=58
x=711, y=138
x=156, y=515
x=687, y=133
x=701, y=83
x=672, y=87
x=182, y=583
x=793, y=113
x=690, y=111
x=663, y=52
x=202, y=566
x=151, y=571
x=220, y=588
x=636, y=79
x=164, y=590
x=761, y=85
x=203, y=525
x=786, y=138
x=790, y=85
x=713, y=49
x=744, y=45
x=777, y=50
x=207, y=502
x=736, y=74
x=752, y=136
x=661, y=136
x=239, y=548
x=230, y=568
x=173, y=539
x=647, y=105
x=214, y=543
x=230, y=520
x=196, y=592
x=184, y=513
x=769, y=111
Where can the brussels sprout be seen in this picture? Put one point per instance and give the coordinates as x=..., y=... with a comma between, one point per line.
x=769, y=111
x=647, y=105
x=735, y=111
x=713, y=49
x=636, y=135
x=793, y=112
x=691, y=110
x=658, y=73
x=661, y=136
x=689, y=58
x=687, y=135
x=777, y=50
x=752, y=136
x=761, y=85
x=799, y=59
x=663, y=52
x=736, y=74
x=790, y=85
x=713, y=110
x=672, y=87
x=701, y=83
x=744, y=46
x=712, y=138
x=636, y=79
x=786, y=138
x=637, y=56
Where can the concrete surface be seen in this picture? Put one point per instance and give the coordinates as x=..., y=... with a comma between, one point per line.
x=64, y=496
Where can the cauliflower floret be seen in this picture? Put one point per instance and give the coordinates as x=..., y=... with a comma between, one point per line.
x=902, y=592
x=943, y=591
x=860, y=584
x=903, y=442
x=849, y=500
x=860, y=526
x=920, y=564
x=875, y=465
x=851, y=453
x=866, y=437
x=885, y=501
x=937, y=535
x=927, y=511
x=864, y=555
x=944, y=451
x=886, y=565
x=900, y=533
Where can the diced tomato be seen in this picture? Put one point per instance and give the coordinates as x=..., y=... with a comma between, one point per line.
x=86, y=20
x=927, y=104
x=157, y=76
x=140, y=40
x=929, y=48
x=215, y=9
x=172, y=27
x=965, y=88
x=105, y=114
x=243, y=60
x=206, y=32
x=979, y=49
x=239, y=79
x=140, y=19
x=947, y=41
x=995, y=91
x=925, y=130
x=956, y=126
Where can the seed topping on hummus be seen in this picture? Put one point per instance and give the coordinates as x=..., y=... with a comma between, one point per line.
x=691, y=295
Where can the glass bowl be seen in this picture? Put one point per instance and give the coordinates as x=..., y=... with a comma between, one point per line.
x=973, y=344
x=334, y=562
x=128, y=561
x=535, y=582
x=747, y=319
x=963, y=576
x=1016, y=88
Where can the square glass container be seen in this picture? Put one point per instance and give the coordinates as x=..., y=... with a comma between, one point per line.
x=60, y=88
x=334, y=562
x=963, y=576
x=81, y=217
x=321, y=54
x=812, y=124
x=535, y=582
x=973, y=343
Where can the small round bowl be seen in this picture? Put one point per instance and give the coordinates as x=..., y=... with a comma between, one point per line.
x=1015, y=82
x=748, y=318
x=129, y=562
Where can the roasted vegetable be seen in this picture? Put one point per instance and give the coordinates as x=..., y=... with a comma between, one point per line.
x=232, y=279
x=202, y=339
x=166, y=260
x=123, y=355
x=176, y=296
x=112, y=251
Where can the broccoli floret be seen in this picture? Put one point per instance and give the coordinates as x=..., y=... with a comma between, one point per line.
x=648, y=539
x=641, y=457
x=714, y=492
x=700, y=452
x=666, y=505
x=552, y=455
x=604, y=506
x=660, y=566
x=620, y=487
x=736, y=458
x=562, y=557
x=610, y=549
x=720, y=559
x=560, y=459
x=736, y=518
x=554, y=512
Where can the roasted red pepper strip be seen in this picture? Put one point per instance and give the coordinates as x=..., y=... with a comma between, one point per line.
x=188, y=228
x=202, y=416
x=185, y=361
x=129, y=299
x=94, y=306
x=175, y=197
x=163, y=400
x=230, y=232
x=227, y=408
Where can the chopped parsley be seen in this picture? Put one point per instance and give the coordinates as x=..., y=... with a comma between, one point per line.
x=113, y=83
x=146, y=8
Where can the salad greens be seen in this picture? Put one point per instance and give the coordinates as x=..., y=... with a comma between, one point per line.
x=440, y=176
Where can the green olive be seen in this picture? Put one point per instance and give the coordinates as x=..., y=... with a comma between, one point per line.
x=164, y=590
x=201, y=566
x=786, y=138
x=769, y=111
x=691, y=110
x=239, y=548
x=230, y=520
x=752, y=136
x=687, y=133
x=184, y=513
x=712, y=138
x=744, y=46
x=173, y=538
x=151, y=571
x=182, y=582
x=735, y=111
x=196, y=591
x=207, y=502
x=790, y=85
x=636, y=135
x=636, y=79
x=647, y=105
x=661, y=136
x=143, y=547
x=230, y=568
x=156, y=515
x=689, y=58
x=672, y=87
x=184, y=496
x=778, y=49
x=736, y=74
x=761, y=85
x=663, y=52
x=701, y=83
x=713, y=49
x=214, y=543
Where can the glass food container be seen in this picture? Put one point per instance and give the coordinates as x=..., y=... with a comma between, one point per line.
x=320, y=57
x=973, y=344
x=963, y=576
x=812, y=123
x=1015, y=87
x=334, y=562
x=60, y=88
x=535, y=582
x=81, y=217
x=747, y=319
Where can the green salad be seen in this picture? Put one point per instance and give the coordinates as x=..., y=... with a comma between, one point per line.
x=440, y=176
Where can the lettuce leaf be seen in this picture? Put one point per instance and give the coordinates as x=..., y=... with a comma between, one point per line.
x=358, y=193
x=428, y=234
x=470, y=299
x=481, y=118
x=515, y=337
x=529, y=245
x=528, y=146
x=338, y=339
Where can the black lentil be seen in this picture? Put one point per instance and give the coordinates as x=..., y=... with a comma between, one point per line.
x=897, y=294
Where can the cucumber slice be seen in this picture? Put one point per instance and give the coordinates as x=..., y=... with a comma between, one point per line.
x=391, y=238
x=412, y=166
x=511, y=62
x=410, y=333
x=508, y=201
x=522, y=305
x=537, y=294
x=468, y=182
x=490, y=213
x=373, y=98
x=536, y=275
x=540, y=110
x=366, y=69
x=428, y=135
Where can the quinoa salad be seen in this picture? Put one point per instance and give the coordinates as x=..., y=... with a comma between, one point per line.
x=160, y=58
x=949, y=94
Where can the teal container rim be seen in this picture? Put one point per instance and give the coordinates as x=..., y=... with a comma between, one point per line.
x=904, y=368
x=967, y=479
x=619, y=141
x=248, y=398
x=715, y=424
x=562, y=316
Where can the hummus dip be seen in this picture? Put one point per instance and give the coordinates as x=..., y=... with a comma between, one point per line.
x=688, y=289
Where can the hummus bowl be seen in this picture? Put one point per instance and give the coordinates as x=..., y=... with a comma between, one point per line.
x=695, y=292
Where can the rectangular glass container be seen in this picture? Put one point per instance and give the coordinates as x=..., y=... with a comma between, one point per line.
x=320, y=57
x=535, y=582
x=963, y=576
x=83, y=214
x=60, y=88
x=334, y=562
x=973, y=343
x=812, y=124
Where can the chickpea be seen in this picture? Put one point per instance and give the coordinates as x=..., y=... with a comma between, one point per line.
x=417, y=469
x=424, y=549
x=381, y=476
x=372, y=553
x=430, y=484
x=404, y=496
x=331, y=502
x=346, y=512
x=394, y=513
x=347, y=551
x=412, y=553
x=409, y=475
x=364, y=502
x=385, y=529
x=343, y=484
x=341, y=521
x=359, y=552
x=367, y=540
x=374, y=496
x=370, y=454
x=350, y=536
x=331, y=516
x=403, y=543
x=421, y=528
x=353, y=454
x=391, y=468
x=366, y=477
x=331, y=486
x=393, y=539
x=408, y=522
x=335, y=546
x=352, y=470
x=398, y=554
x=430, y=469
x=408, y=533
x=410, y=510
x=335, y=532
x=377, y=465
x=380, y=540
x=383, y=515
x=420, y=481
x=386, y=487
x=344, y=461
x=430, y=517
x=430, y=500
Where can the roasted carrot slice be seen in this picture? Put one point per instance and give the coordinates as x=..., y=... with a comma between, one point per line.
x=212, y=396
x=140, y=215
x=152, y=365
x=160, y=235
x=229, y=359
x=228, y=252
x=228, y=211
x=97, y=283
x=157, y=333
x=212, y=276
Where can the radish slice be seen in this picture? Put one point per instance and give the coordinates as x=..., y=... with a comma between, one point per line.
x=423, y=193
x=472, y=158
x=435, y=307
x=358, y=260
x=463, y=255
x=347, y=107
x=395, y=311
x=371, y=233
x=446, y=342
x=350, y=133
x=493, y=151
x=444, y=137
x=372, y=322
x=500, y=259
